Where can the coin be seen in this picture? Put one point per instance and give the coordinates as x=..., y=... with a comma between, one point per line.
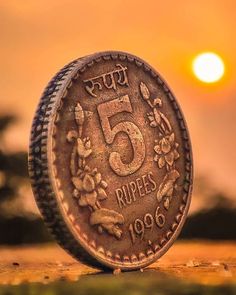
x=110, y=161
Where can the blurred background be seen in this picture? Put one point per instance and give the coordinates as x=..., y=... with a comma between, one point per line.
x=40, y=37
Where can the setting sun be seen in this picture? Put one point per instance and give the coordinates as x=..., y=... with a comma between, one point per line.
x=208, y=67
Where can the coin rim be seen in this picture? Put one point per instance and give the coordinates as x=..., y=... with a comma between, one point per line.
x=78, y=247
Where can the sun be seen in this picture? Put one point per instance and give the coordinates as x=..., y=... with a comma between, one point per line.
x=208, y=67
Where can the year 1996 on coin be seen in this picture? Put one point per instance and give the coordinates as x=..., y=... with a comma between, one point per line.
x=140, y=225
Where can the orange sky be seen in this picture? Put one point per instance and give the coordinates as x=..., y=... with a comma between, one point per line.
x=39, y=37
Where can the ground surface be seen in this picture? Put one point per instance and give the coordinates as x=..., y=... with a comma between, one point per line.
x=187, y=265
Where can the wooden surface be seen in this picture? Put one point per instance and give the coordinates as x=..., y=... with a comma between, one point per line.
x=207, y=263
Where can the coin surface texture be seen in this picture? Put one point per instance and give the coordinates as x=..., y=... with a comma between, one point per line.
x=110, y=161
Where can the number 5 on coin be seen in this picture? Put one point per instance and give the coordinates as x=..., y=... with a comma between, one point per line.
x=109, y=109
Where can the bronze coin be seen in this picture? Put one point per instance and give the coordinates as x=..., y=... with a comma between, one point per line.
x=110, y=161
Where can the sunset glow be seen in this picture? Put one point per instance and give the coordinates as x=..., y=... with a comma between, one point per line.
x=208, y=67
x=40, y=37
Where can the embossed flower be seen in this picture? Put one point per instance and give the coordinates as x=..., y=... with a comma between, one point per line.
x=89, y=189
x=166, y=151
x=84, y=147
x=167, y=187
x=79, y=115
x=152, y=120
x=144, y=91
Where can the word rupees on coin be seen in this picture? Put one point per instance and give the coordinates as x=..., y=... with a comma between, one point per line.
x=110, y=161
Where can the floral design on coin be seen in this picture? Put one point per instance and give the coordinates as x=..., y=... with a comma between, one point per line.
x=89, y=187
x=166, y=148
x=91, y=161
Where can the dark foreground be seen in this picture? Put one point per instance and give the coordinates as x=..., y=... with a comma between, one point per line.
x=187, y=268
